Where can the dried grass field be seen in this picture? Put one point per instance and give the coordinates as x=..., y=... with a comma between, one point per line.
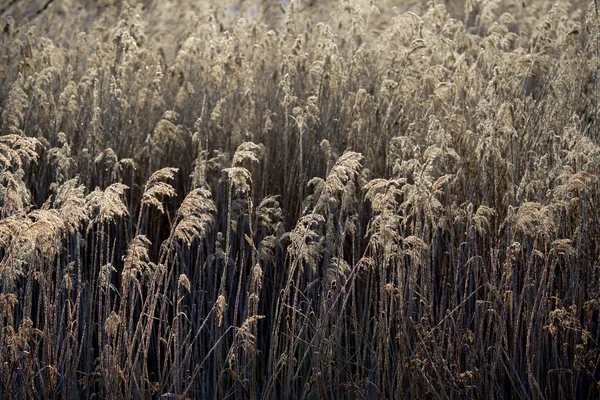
x=351, y=199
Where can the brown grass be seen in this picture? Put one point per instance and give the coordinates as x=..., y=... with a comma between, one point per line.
x=320, y=200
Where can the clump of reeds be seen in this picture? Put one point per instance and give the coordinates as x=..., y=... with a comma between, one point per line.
x=336, y=199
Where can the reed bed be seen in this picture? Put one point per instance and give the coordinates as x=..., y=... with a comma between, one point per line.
x=338, y=199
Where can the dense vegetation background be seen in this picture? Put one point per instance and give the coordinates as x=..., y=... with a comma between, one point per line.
x=353, y=199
